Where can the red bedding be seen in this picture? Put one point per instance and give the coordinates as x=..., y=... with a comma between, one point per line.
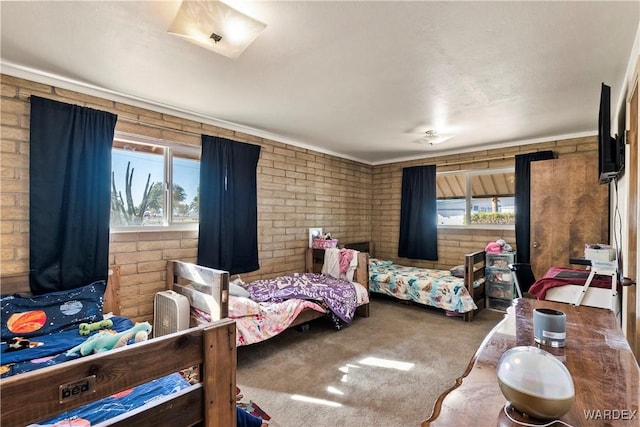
x=560, y=276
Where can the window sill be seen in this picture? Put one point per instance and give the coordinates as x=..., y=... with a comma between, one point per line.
x=155, y=228
x=478, y=227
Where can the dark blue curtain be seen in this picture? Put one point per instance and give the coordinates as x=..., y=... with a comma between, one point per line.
x=523, y=201
x=228, y=238
x=70, y=195
x=419, y=214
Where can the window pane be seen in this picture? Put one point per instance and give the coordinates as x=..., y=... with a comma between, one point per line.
x=136, y=189
x=492, y=198
x=451, y=194
x=186, y=188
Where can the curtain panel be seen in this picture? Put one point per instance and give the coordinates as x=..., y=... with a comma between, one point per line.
x=418, y=214
x=228, y=238
x=523, y=201
x=69, y=195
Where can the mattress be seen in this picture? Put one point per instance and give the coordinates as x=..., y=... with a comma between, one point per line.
x=435, y=288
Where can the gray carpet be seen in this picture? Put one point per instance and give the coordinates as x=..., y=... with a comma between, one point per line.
x=331, y=365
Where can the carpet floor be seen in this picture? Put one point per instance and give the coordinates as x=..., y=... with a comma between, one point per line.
x=386, y=370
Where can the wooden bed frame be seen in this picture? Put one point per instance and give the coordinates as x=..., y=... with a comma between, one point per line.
x=34, y=396
x=314, y=259
x=474, y=269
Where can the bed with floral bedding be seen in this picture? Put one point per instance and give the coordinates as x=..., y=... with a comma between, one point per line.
x=265, y=308
x=459, y=295
x=275, y=305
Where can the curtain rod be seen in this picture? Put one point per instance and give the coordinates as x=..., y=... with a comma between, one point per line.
x=142, y=123
x=186, y=132
x=27, y=96
x=488, y=159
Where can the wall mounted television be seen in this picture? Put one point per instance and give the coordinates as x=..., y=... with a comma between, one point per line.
x=610, y=148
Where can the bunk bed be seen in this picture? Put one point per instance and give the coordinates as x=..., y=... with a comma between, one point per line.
x=84, y=384
x=459, y=296
x=258, y=319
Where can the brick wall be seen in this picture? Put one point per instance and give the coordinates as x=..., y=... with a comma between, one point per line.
x=297, y=189
x=452, y=243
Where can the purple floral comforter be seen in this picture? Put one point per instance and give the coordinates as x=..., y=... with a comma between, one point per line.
x=339, y=295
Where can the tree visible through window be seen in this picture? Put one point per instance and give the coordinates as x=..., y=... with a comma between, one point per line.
x=476, y=197
x=141, y=175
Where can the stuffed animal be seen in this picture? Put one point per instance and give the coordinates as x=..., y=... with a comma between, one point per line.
x=87, y=328
x=104, y=340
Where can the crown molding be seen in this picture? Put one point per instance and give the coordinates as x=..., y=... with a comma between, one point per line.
x=39, y=76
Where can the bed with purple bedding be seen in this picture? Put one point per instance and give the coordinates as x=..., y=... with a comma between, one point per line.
x=338, y=295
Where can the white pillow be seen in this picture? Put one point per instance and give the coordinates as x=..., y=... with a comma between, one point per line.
x=238, y=290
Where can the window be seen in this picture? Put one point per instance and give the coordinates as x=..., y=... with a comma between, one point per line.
x=476, y=198
x=143, y=171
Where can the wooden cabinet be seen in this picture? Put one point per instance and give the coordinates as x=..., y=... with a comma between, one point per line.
x=568, y=209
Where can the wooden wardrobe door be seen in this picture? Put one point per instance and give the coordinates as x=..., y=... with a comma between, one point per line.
x=568, y=209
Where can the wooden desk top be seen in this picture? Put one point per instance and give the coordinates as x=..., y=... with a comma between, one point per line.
x=605, y=372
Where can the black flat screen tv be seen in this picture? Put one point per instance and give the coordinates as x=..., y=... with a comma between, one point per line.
x=610, y=148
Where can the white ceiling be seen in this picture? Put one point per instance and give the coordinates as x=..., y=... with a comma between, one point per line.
x=359, y=79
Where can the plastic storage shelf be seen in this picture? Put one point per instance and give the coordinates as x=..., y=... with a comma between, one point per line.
x=499, y=282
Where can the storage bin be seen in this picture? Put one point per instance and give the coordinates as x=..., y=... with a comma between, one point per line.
x=604, y=254
x=498, y=290
x=498, y=304
x=501, y=277
x=325, y=243
x=501, y=260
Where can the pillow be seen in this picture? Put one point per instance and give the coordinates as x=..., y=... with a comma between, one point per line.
x=375, y=262
x=238, y=291
x=457, y=271
x=29, y=316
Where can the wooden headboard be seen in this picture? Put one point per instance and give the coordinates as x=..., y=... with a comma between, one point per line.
x=19, y=284
x=315, y=260
x=181, y=277
x=361, y=247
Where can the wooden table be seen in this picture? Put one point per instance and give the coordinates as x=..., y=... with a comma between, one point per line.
x=605, y=372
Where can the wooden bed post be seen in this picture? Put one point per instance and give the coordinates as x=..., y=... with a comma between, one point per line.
x=362, y=275
x=171, y=275
x=219, y=374
x=112, y=293
x=474, y=268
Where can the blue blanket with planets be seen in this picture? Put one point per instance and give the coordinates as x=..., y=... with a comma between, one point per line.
x=49, y=349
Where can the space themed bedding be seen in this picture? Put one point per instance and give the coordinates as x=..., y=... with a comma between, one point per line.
x=110, y=407
x=41, y=327
x=49, y=329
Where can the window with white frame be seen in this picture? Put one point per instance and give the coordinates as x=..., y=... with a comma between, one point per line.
x=478, y=198
x=153, y=183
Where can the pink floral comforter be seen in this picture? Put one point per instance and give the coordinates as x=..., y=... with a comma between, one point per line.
x=259, y=321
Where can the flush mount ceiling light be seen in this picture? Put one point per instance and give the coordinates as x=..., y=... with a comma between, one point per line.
x=215, y=26
x=432, y=137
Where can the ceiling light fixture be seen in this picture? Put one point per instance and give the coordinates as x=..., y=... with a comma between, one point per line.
x=215, y=26
x=432, y=137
